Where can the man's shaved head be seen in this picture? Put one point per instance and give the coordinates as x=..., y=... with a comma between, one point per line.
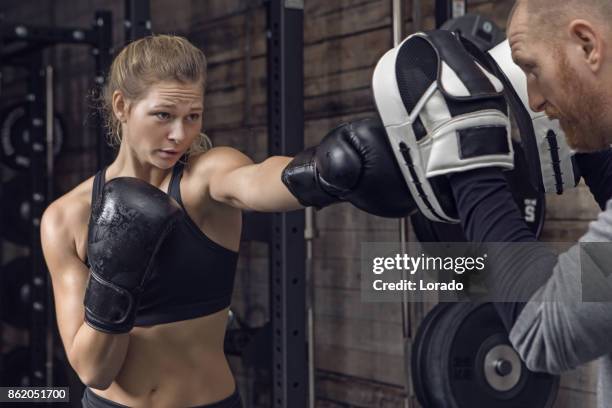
x=547, y=17
x=555, y=6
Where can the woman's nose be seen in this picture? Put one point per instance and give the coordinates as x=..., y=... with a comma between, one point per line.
x=177, y=135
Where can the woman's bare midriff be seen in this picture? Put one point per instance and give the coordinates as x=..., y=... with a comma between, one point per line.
x=178, y=364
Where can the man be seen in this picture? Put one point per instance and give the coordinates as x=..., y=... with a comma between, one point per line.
x=564, y=49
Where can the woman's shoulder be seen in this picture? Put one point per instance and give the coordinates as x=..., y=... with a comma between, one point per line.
x=217, y=158
x=202, y=169
x=69, y=212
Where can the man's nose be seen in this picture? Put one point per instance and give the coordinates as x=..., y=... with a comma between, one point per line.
x=537, y=102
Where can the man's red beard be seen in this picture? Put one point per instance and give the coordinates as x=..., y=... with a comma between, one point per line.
x=581, y=112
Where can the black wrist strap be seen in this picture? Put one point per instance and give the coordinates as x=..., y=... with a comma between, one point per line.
x=300, y=177
x=108, y=307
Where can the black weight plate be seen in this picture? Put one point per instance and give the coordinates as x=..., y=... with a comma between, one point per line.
x=448, y=369
x=15, y=207
x=15, y=292
x=530, y=202
x=15, y=137
x=419, y=352
x=478, y=29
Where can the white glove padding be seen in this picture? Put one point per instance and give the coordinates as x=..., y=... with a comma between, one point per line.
x=550, y=159
x=443, y=113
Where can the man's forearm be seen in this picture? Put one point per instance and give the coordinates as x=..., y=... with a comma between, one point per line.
x=489, y=213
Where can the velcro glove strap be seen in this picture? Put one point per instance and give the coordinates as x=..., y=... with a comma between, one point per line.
x=108, y=307
x=302, y=180
x=469, y=142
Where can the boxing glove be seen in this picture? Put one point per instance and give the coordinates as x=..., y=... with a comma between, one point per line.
x=127, y=226
x=353, y=163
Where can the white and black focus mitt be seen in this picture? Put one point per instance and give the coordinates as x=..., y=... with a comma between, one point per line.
x=549, y=158
x=443, y=113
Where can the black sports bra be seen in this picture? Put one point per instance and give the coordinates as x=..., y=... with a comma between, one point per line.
x=192, y=277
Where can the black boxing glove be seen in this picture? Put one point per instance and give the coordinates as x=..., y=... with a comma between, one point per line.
x=127, y=226
x=353, y=163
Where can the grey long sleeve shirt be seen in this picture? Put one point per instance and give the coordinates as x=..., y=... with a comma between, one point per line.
x=557, y=330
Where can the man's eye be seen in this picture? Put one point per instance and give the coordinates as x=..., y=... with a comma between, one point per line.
x=162, y=115
x=529, y=66
x=533, y=71
x=194, y=117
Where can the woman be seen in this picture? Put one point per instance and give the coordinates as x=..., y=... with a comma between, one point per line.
x=171, y=353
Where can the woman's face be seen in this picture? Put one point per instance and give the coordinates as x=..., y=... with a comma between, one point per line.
x=161, y=126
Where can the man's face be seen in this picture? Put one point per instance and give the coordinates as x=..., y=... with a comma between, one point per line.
x=557, y=85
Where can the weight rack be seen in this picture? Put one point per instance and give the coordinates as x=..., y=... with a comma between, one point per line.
x=22, y=45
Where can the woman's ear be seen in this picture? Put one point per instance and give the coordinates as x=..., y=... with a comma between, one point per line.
x=120, y=106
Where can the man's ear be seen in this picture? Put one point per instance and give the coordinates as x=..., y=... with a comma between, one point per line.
x=590, y=42
x=121, y=107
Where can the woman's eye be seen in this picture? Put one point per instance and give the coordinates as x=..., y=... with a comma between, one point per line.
x=162, y=115
x=194, y=116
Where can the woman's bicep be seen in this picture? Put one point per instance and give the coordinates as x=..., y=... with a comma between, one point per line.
x=68, y=273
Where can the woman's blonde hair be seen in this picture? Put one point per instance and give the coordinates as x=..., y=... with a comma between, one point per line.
x=145, y=62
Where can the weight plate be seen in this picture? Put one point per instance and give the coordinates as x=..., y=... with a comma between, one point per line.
x=478, y=29
x=461, y=357
x=15, y=137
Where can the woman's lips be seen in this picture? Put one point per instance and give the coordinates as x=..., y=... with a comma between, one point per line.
x=168, y=154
